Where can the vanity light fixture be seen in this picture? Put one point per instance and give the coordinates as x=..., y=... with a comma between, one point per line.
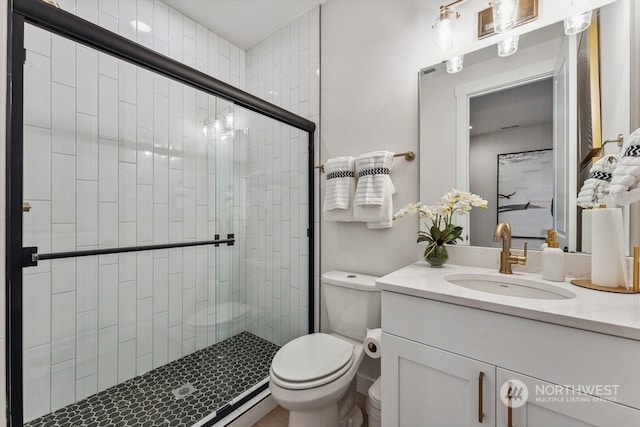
x=508, y=46
x=454, y=64
x=505, y=13
x=443, y=25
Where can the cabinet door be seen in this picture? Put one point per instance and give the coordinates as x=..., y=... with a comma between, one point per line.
x=427, y=387
x=548, y=404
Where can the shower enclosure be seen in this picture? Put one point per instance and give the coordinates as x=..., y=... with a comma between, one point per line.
x=159, y=231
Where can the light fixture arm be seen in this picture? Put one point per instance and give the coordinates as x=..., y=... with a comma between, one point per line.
x=453, y=4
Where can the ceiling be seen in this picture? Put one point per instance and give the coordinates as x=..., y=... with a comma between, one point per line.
x=526, y=105
x=243, y=22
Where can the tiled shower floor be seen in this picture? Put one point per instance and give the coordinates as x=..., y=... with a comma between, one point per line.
x=218, y=373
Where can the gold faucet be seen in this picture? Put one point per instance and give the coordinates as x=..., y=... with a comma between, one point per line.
x=503, y=231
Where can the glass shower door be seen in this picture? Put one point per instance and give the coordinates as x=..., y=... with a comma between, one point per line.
x=118, y=159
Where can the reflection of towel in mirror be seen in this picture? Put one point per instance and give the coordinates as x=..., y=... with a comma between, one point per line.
x=597, y=185
x=340, y=188
x=372, y=201
x=626, y=176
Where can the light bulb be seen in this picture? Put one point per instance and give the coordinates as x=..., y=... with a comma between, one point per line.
x=508, y=46
x=505, y=13
x=577, y=23
x=443, y=28
x=454, y=64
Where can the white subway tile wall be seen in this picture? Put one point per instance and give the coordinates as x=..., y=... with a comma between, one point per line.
x=118, y=156
x=283, y=69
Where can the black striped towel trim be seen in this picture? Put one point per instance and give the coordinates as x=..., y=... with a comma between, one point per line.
x=373, y=171
x=632, y=151
x=341, y=174
x=603, y=176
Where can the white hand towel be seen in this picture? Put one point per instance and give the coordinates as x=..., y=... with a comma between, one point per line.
x=596, y=187
x=340, y=189
x=373, y=199
x=624, y=188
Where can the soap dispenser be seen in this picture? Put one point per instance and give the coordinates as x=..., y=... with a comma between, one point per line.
x=553, y=260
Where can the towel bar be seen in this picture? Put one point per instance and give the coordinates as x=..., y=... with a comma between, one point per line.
x=408, y=155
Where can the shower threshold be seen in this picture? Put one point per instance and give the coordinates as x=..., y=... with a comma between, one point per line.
x=181, y=393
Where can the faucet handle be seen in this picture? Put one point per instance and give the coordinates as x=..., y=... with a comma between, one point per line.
x=522, y=260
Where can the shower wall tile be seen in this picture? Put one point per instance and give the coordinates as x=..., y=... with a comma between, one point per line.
x=63, y=61
x=63, y=118
x=37, y=381
x=107, y=357
x=282, y=69
x=86, y=146
x=160, y=339
x=63, y=327
x=86, y=387
x=87, y=344
x=63, y=184
x=37, y=71
x=144, y=326
x=63, y=384
x=37, y=312
x=37, y=170
x=126, y=361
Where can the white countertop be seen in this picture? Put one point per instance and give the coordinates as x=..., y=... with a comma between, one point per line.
x=604, y=312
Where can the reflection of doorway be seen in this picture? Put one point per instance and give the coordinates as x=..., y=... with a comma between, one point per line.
x=516, y=119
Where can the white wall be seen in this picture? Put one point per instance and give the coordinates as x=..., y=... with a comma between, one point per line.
x=371, y=52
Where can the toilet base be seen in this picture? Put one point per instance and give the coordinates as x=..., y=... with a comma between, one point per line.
x=328, y=417
x=355, y=419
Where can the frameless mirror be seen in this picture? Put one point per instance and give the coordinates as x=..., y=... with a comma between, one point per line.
x=507, y=128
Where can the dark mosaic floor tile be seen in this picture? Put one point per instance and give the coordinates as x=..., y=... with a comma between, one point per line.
x=218, y=373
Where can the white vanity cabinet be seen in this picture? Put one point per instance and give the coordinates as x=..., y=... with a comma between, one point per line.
x=435, y=387
x=434, y=352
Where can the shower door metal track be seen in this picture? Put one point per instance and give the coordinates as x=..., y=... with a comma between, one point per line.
x=67, y=25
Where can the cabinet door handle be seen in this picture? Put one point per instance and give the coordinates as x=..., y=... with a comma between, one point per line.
x=509, y=407
x=480, y=405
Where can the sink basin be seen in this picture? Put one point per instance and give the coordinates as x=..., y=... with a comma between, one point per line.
x=512, y=286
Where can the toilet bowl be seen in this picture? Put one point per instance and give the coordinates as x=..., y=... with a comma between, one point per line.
x=314, y=376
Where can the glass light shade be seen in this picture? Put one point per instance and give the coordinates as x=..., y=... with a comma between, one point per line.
x=443, y=29
x=508, y=46
x=505, y=13
x=454, y=64
x=577, y=23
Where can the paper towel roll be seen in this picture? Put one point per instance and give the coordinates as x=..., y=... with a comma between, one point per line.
x=608, y=262
x=372, y=343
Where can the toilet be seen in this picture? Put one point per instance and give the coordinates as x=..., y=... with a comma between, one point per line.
x=314, y=376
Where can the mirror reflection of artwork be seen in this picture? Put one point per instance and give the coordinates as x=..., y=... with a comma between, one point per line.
x=525, y=192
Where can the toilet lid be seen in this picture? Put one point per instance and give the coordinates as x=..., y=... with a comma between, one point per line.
x=311, y=357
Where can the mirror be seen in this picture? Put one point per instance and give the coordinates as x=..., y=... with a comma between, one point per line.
x=524, y=103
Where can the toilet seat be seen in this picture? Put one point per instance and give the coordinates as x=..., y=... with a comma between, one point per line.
x=311, y=361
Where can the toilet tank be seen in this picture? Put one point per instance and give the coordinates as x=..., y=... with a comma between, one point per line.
x=352, y=302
